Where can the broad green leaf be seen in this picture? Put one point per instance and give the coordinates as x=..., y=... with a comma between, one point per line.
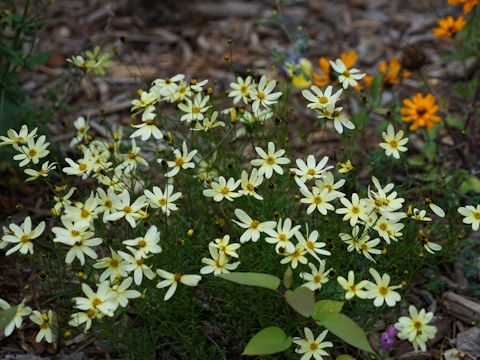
x=471, y=183
x=6, y=316
x=324, y=307
x=38, y=58
x=456, y=122
x=416, y=160
x=429, y=149
x=254, y=279
x=347, y=330
x=345, y=357
x=301, y=300
x=268, y=341
x=288, y=277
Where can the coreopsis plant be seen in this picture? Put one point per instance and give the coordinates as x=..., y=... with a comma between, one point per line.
x=197, y=192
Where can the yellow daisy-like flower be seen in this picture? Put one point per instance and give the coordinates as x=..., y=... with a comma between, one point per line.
x=449, y=26
x=346, y=167
x=420, y=112
x=415, y=328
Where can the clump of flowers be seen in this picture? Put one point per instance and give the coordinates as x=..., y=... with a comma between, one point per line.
x=198, y=192
x=415, y=328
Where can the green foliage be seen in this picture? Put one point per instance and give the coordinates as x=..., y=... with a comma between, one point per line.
x=253, y=279
x=6, y=316
x=288, y=278
x=270, y=340
x=324, y=307
x=301, y=300
x=472, y=183
x=346, y=329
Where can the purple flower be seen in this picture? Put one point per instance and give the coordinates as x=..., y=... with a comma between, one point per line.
x=387, y=339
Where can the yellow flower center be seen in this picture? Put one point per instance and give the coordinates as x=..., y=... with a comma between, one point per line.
x=90, y=313
x=250, y=187
x=355, y=209
x=96, y=301
x=140, y=261
x=179, y=161
x=162, y=201
x=310, y=245
x=84, y=213
x=476, y=215
x=261, y=96
x=346, y=73
x=24, y=239
x=383, y=226
x=176, y=277
x=225, y=190
x=417, y=324
x=317, y=278
x=195, y=109
x=114, y=263
x=127, y=209
x=244, y=89
x=149, y=122
x=82, y=167
x=329, y=187
x=383, y=290
x=311, y=172
x=313, y=346
x=317, y=199
x=270, y=160
x=282, y=237
x=108, y=203
x=74, y=233
x=394, y=143
x=131, y=155
x=322, y=100
x=254, y=224
x=32, y=153
x=142, y=243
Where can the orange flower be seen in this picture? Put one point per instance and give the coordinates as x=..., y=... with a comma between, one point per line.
x=421, y=112
x=348, y=59
x=467, y=4
x=449, y=26
x=392, y=72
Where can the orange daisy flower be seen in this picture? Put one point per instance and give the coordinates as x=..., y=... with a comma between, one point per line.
x=349, y=59
x=392, y=73
x=421, y=112
x=449, y=26
x=467, y=4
